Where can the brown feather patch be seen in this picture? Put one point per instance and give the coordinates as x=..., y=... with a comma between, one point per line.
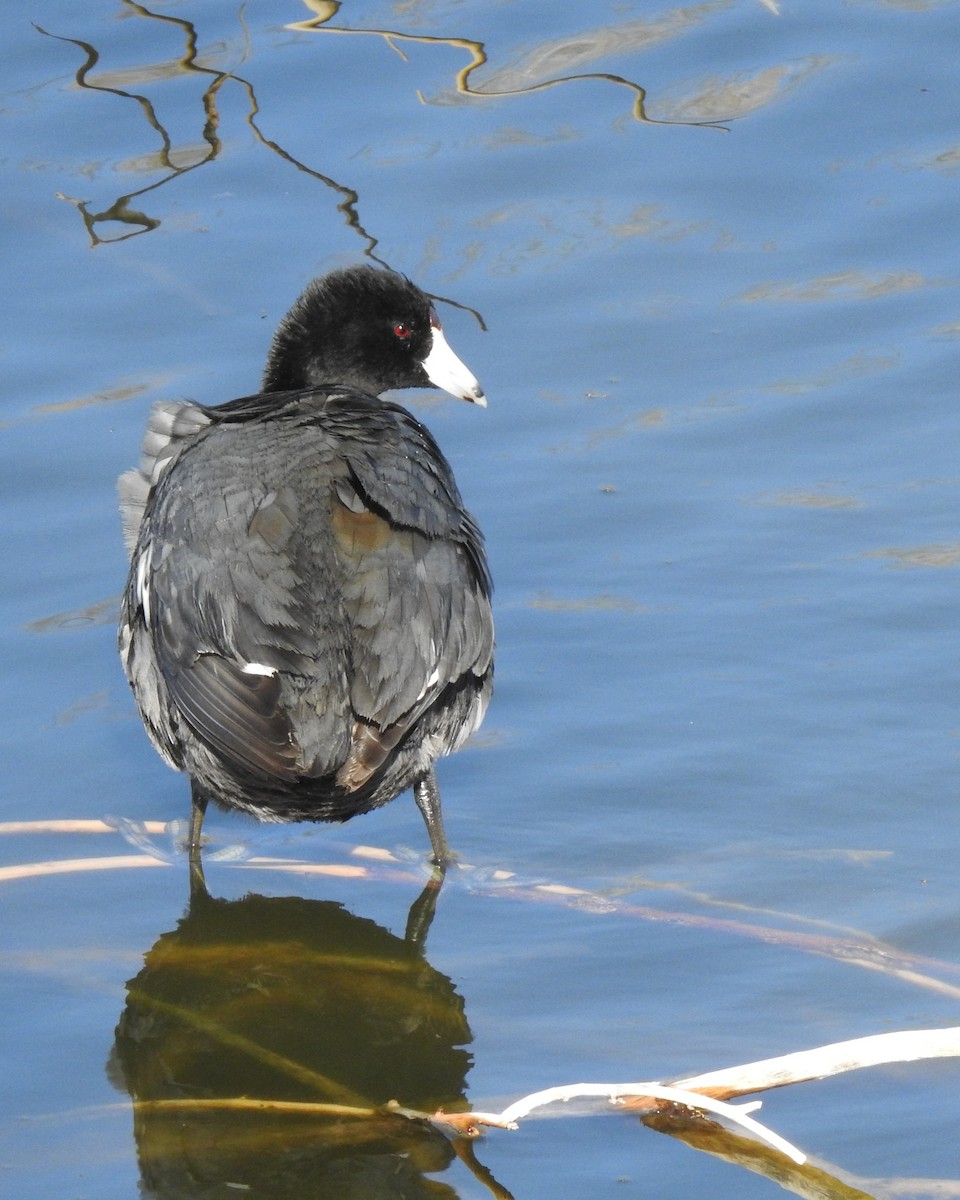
x=369, y=750
x=359, y=532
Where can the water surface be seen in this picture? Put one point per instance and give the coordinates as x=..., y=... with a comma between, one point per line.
x=703, y=260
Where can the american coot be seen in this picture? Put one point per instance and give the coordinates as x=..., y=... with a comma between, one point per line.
x=306, y=624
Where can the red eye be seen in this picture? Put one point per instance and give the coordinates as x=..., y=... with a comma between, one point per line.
x=402, y=330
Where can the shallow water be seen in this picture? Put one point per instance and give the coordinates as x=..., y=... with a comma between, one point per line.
x=715, y=252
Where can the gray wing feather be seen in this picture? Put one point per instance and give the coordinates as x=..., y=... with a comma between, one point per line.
x=335, y=554
x=170, y=426
x=239, y=713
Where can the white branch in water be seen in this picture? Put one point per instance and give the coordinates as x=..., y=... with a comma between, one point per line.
x=907, y=1045
x=616, y=1092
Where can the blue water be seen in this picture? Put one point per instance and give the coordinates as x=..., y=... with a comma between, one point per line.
x=718, y=479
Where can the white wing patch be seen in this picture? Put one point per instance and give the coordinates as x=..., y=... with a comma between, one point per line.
x=255, y=668
x=143, y=581
x=431, y=682
x=434, y=677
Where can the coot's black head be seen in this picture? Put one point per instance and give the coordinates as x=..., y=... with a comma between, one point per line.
x=369, y=330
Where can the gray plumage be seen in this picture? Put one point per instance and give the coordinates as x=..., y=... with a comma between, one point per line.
x=306, y=624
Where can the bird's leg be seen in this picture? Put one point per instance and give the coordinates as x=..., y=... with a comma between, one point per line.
x=427, y=795
x=198, y=806
x=421, y=913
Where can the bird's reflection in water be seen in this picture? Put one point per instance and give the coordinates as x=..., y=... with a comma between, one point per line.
x=288, y=999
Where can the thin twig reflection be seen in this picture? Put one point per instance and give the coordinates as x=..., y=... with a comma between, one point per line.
x=121, y=212
x=139, y=222
x=478, y=59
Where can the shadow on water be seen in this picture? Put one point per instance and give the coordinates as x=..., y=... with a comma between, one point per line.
x=179, y=162
x=261, y=1039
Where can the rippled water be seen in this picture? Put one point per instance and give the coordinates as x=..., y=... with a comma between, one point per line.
x=703, y=260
